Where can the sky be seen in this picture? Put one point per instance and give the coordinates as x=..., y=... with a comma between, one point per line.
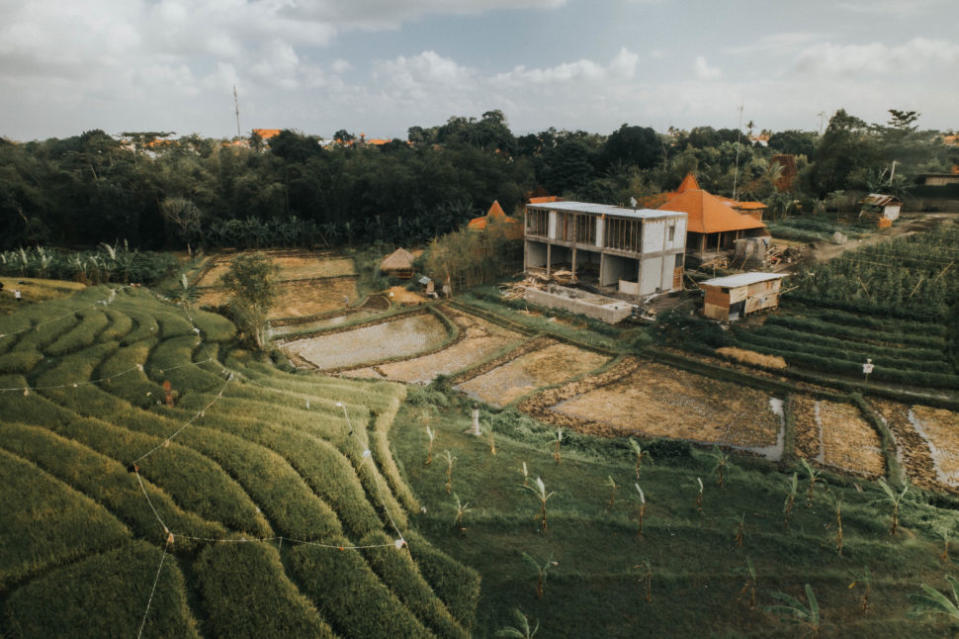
x=381, y=66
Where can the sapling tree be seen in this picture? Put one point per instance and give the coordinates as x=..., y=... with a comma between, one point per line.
x=895, y=499
x=542, y=572
x=931, y=601
x=721, y=460
x=461, y=510
x=450, y=460
x=250, y=284
x=556, y=444
x=794, y=610
x=749, y=588
x=639, y=453
x=522, y=629
x=865, y=579
x=612, y=492
x=539, y=490
x=641, y=513
x=790, y=499
x=430, y=438
x=813, y=474
x=646, y=577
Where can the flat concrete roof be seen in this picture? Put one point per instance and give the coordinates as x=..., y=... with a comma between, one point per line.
x=742, y=279
x=606, y=209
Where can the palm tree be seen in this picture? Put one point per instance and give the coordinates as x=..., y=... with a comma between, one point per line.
x=539, y=489
x=794, y=610
x=895, y=500
x=522, y=629
x=931, y=601
x=542, y=572
x=640, y=454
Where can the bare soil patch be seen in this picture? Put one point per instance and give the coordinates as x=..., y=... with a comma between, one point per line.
x=835, y=434
x=550, y=365
x=397, y=338
x=289, y=267
x=653, y=400
x=752, y=357
x=480, y=339
x=298, y=299
x=940, y=429
x=912, y=448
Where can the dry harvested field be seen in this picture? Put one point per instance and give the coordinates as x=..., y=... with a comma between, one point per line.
x=654, y=400
x=835, y=434
x=479, y=340
x=402, y=337
x=546, y=366
x=306, y=284
x=928, y=443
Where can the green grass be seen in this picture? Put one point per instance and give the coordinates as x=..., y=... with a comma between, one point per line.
x=595, y=587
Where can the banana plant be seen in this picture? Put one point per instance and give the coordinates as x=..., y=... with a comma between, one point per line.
x=790, y=499
x=895, y=499
x=641, y=514
x=556, y=444
x=749, y=588
x=639, y=454
x=795, y=610
x=450, y=460
x=542, y=572
x=719, y=467
x=461, y=510
x=813, y=476
x=931, y=601
x=522, y=629
x=430, y=437
x=539, y=490
x=865, y=579
x=611, y=501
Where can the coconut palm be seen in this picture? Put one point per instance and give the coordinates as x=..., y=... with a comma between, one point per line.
x=794, y=610
x=522, y=630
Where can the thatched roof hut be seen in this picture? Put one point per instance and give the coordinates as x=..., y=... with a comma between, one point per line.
x=399, y=264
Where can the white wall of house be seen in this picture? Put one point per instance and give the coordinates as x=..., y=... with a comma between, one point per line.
x=654, y=234
x=650, y=275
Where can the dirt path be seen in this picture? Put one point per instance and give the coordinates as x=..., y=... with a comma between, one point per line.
x=908, y=224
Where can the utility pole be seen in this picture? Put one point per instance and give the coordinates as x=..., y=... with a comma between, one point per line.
x=236, y=106
x=821, y=114
x=738, y=144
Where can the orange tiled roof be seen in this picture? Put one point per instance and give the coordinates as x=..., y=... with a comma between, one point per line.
x=952, y=140
x=709, y=213
x=544, y=199
x=266, y=134
x=495, y=212
x=749, y=206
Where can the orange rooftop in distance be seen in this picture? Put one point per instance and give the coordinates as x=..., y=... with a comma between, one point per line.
x=497, y=215
x=266, y=134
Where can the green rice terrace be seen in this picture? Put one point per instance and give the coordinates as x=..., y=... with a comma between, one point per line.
x=159, y=481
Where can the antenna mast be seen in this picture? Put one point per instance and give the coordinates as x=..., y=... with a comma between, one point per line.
x=738, y=143
x=236, y=106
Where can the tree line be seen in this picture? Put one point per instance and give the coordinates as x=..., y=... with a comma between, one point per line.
x=157, y=191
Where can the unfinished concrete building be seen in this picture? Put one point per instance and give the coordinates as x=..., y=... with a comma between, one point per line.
x=637, y=252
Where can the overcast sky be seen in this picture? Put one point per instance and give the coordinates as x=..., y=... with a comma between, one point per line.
x=381, y=66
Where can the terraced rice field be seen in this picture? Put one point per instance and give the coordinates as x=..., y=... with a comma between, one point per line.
x=306, y=284
x=546, y=366
x=479, y=340
x=373, y=343
x=928, y=443
x=652, y=400
x=252, y=503
x=835, y=434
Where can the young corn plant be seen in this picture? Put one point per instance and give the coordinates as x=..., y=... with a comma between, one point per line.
x=813, y=476
x=790, y=499
x=741, y=531
x=430, y=438
x=640, y=454
x=556, y=445
x=794, y=610
x=522, y=629
x=699, y=496
x=895, y=500
x=749, y=588
x=931, y=601
x=539, y=490
x=611, y=501
x=450, y=460
x=641, y=513
x=646, y=578
x=461, y=510
x=866, y=581
x=719, y=467
x=542, y=572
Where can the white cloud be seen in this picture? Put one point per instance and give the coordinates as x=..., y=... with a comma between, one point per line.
x=775, y=43
x=622, y=66
x=704, y=71
x=892, y=7
x=916, y=55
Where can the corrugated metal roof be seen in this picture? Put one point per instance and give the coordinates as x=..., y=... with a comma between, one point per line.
x=606, y=209
x=742, y=279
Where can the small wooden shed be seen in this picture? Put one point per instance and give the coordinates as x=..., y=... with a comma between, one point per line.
x=734, y=296
x=398, y=264
x=883, y=207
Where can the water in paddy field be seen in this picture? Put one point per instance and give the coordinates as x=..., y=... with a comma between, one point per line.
x=397, y=338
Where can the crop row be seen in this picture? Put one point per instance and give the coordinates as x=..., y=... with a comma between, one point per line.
x=856, y=333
